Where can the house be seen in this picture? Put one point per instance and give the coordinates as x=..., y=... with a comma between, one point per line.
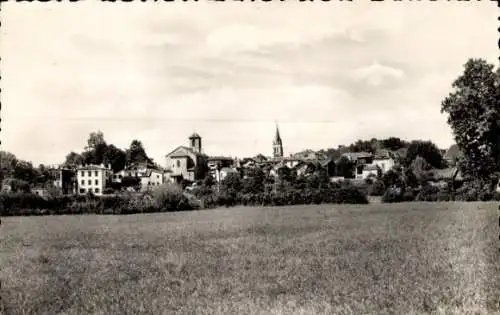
x=151, y=178
x=360, y=159
x=149, y=175
x=247, y=163
x=92, y=179
x=329, y=166
x=384, y=159
x=442, y=177
x=66, y=180
x=40, y=191
x=452, y=155
x=305, y=168
x=187, y=162
x=215, y=162
x=291, y=162
x=306, y=155
x=368, y=169
x=224, y=172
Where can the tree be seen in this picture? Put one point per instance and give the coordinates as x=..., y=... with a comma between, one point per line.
x=393, y=143
x=95, y=139
x=254, y=181
x=136, y=153
x=427, y=150
x=344, y=168
x=473, y=109
x=116, y=157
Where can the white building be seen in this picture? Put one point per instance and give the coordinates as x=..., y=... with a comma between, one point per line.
x=92, y=178
x=384, y=162
x=224, y=172
x=369, y=169
x=149, y=177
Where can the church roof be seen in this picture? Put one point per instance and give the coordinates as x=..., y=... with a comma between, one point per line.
x=277, y=137
x=174, y=153
x=194, y=135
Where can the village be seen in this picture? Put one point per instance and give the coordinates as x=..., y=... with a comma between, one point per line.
x=189, y=165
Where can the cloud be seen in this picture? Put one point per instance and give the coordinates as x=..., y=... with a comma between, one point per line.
x=376, y=75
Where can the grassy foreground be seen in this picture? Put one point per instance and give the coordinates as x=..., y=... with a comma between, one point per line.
x=414, y=258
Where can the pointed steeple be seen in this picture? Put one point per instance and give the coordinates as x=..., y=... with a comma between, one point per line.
x=277, y=138
x=277, y=144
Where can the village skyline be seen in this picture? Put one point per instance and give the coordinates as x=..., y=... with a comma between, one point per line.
x=144, y=73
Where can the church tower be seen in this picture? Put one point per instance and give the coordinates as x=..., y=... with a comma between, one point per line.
x=195, y=142
x=277, y=144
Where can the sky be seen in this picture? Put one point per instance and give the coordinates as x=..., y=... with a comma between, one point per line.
x=328, y=73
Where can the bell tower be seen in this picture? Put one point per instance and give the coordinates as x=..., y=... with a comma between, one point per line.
x=195, y=142
x=277, y=144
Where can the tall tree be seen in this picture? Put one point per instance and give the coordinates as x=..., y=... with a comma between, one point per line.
x=95, y=138
x=473, y=110
x=116, y=157
x=344, y=167
x=136, y=153
x=427, y=150
x=73, y=159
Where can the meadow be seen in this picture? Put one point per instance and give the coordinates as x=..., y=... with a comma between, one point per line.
x=409, y=258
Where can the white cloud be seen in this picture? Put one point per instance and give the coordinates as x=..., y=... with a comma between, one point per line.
x=377, y=74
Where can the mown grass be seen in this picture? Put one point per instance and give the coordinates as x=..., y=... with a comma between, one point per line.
x=414, y=258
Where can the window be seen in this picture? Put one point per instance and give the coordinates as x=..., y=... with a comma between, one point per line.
x=178, y=163
x=96, y=173
x=90, y=174
x=90, y=182
x=83, y=182
x=82, y=190
x=96, y=190
x=83, y=174
x=157, y=176
x=97, y=182
x=119, y=176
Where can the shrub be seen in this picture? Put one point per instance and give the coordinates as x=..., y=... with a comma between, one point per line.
x=377, y=188
x=392, y=195
x=169, y=197
x=428, y=193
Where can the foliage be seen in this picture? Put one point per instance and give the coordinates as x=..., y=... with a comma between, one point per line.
x=394, y=144
x=428, y=193
x=19, y=185
x=253, y=182
x=344, y=168
x=131, y=181
x=351, y=195
x=116, y=157
x=136, y=153
x=473, y=109
x=426, y=150
x=377, y=188
x=73, y=159
x=168, y=196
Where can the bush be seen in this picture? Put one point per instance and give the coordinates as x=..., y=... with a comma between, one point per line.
x=428, y=193
x=377, y=188
x=391, y=196
x=170, y=197
x=475, y=191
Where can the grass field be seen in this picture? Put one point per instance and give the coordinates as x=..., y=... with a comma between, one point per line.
x=413, y=258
